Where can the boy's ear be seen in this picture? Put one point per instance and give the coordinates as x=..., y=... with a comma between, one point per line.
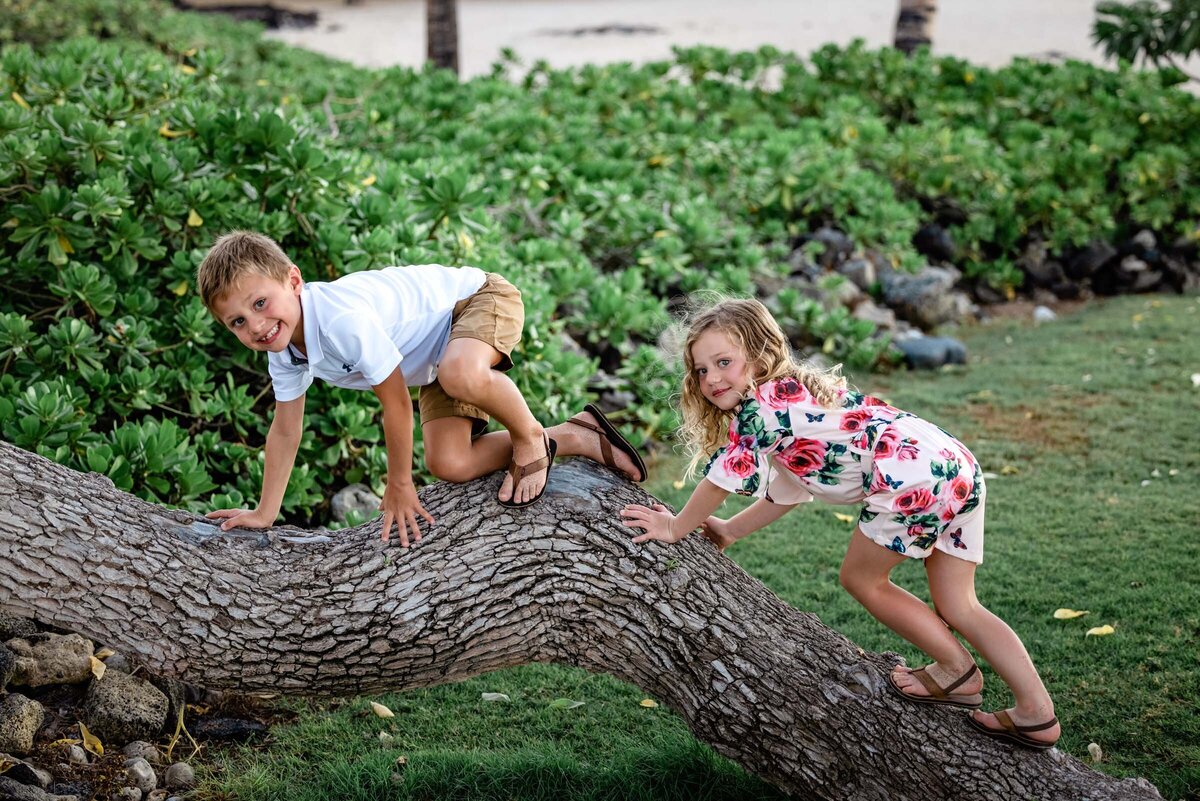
x=295, y=281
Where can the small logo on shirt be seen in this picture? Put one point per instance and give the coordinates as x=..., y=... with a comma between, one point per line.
x=347, y=367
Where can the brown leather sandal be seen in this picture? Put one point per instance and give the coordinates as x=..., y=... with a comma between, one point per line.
x=519, y=471
x=1015, y=733
x=939, y=694
x=610, y=438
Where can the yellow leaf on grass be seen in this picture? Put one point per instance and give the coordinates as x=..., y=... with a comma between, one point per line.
x=65, y=244
x=90, y=741
x=191, y=51
x=648, y=703
x=20, y=101
x=98, y=667
x=1008, y=470
x=187, y=69
x=369, y=180
x=677, y=484
x=104, y=653
x=1100, y=631
x=381, y=710
x=844, y=518
x=1069, y=614
x=165, y=130
x=262, y=82
x=194, y=219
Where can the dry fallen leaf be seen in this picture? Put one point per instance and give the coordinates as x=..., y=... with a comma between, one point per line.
x=677, y=484
x=1069, y=614
x=104, y=653
x=494, y=697
x=381, y=710
x=98, y=667
x=1100, y=631
x=844, y=518
x=1096, y=753
x=649, y=703
x=384, y=737
x=90, y=741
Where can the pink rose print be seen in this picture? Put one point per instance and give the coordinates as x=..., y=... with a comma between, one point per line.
x=907, y=450
x=855, y=421
x=781, y=393
x=740, y=462
x=871, y=400
x=803, y=456
x=954, y=494
x=888, y=444
x=914, y=502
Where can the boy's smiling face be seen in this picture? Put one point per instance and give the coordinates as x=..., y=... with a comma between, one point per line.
x=264, y=313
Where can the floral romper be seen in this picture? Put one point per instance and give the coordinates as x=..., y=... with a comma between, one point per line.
x=921, y=488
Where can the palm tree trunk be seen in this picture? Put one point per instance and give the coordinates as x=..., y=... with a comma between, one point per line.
x=441, y=30
x=914, y=25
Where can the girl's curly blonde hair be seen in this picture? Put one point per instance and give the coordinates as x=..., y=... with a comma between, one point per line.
x=750, y=326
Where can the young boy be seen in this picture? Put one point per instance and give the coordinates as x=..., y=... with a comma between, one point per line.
x=450, y=331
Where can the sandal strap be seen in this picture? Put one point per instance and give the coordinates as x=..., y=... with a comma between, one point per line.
x=974, y=669
x=1040, y=727
x=1004, y=720
x=519, y=471
x=931, y=686
x=605, y=446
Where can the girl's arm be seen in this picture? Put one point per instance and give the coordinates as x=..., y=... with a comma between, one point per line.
x=660, y=524
x=762, y=513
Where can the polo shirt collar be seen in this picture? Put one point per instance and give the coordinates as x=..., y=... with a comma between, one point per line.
x=312, y=332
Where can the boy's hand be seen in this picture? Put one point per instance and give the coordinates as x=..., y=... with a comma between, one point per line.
x=717, y=531
x=657, y=522
x=401, y=506
x=242, y=518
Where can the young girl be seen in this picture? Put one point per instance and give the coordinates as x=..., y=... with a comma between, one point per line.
x=786, y=433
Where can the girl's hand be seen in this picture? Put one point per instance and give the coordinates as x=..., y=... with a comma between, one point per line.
x=718, y=532
x=658, y=523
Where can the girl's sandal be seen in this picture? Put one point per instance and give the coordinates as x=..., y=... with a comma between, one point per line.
x=611, y=438
x=519, y=471
x=1015, y=733
x=937, y=693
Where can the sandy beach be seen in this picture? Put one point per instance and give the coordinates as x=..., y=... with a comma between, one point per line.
x=378, y=33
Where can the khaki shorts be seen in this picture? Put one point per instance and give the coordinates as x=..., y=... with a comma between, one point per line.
x=495, y=315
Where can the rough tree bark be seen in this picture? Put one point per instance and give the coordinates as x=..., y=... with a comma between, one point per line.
x=441, y=33
x=764, y=684
x=914, y=25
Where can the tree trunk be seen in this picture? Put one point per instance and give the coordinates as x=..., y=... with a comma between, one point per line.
x=285, y=610
x=914, y=25
x=441, y=33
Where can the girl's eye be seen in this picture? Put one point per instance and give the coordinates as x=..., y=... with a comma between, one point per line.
x=723, y=363
x=237, y=322
x=258, y=304
x=701, y=371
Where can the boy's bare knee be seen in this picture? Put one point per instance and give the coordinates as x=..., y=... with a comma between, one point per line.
x=449, y=467
x=463, y=378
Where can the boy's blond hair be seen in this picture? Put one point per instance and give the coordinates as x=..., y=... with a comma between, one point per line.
x=234, y=256
x=750, y=326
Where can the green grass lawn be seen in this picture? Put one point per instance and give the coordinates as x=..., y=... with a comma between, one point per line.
x=1090, y=427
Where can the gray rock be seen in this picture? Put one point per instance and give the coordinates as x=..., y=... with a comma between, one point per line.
x=1145, y=239
x=119, y=708
x=615, y=400
x=870, y=311
x=928, y=298
x=837, y=245
x=20, y=718
x=51, y=659
x=146, y=751
x=13, y=790
x=861, y=272
x=176, y=692
x=26, y=772
x=127, y=794
x=1132, y=264
x=76, y=755
x=118, y=661
x=935, y=242
x=158, y=795
x=356, y=497
x=802, y=266
x=1040, y=270
x=180, y=776
x=1044, y=314
x=8, y=665
x=929, y=353
x=840, y=291
x=1092, y=258
x=139, y=774
x=13, y=626
x=568, y=344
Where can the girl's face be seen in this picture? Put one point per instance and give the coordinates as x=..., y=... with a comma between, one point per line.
x=722, y=371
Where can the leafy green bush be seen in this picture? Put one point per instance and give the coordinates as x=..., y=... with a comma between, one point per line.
x=602, y=192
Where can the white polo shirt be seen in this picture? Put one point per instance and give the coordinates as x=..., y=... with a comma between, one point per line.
x=359, y=328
